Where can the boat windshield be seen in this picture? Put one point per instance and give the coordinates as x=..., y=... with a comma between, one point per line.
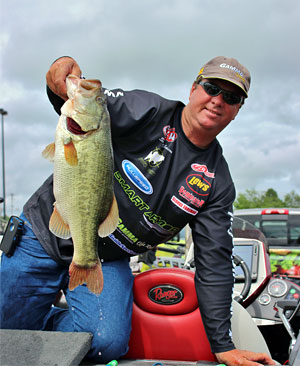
x=243, y=229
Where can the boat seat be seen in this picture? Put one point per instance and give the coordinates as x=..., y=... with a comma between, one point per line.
x=166, y=321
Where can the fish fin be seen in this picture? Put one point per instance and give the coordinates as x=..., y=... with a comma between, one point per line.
x=93, y=277
x=111, y=222
x=70, y=153
x=49, y=151
x=57, y=225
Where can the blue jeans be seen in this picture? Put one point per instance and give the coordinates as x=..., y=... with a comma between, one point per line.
x=30, y=281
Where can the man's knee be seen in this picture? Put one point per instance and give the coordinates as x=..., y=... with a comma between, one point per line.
x=109, y=346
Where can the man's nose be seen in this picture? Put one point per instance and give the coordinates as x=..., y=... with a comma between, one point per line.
x=218, y=99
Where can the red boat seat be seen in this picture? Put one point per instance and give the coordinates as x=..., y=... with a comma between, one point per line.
x=166, y=321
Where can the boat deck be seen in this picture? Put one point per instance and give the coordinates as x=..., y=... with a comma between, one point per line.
x=41, y=348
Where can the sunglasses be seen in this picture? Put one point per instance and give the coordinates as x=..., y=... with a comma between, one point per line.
x=214, y=90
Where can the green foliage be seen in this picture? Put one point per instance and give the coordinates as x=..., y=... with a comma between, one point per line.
x=270, y=199
x=253, y=199
x=292, y=199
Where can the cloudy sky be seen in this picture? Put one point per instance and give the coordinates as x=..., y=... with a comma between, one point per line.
x=157, y=45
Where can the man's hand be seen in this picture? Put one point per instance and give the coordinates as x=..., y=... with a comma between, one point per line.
x=238, y=357
x=59, y=70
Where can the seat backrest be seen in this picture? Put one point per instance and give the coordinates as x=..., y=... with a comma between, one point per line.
x=166, y=321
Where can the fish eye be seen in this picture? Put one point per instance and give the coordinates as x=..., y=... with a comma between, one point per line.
x=101, y=100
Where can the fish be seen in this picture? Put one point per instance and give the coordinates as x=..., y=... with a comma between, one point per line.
x=85, y=205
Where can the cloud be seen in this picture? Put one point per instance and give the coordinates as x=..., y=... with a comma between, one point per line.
x=159, y=46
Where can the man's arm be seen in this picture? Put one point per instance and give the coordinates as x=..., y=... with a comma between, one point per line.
x=214, y=278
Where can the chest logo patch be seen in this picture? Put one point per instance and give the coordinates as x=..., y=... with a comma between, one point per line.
x=137, y=177
x=198, y=184
x=155, y=157
x=169, y=133
x=202, y=169
x=183, y=206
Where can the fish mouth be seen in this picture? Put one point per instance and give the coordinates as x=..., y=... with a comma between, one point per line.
x=74, y=127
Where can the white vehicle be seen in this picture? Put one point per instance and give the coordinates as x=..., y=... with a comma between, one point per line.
x=281, y=227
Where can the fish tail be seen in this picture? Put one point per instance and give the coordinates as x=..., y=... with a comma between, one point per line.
x=92, y=276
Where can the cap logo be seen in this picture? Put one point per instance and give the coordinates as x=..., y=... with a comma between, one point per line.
x=201, y=71
x=235, y=69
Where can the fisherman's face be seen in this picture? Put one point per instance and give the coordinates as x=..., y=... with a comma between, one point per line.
x=211, y=113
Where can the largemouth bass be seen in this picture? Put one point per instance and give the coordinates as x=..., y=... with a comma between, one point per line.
x=85, y=205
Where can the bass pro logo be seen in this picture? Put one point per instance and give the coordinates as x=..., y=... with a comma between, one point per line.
x=198, y=184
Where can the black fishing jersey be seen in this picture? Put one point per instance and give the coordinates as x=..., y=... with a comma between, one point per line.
x=162, y=182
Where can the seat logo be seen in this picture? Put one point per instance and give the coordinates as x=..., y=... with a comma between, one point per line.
x=165, y=294
x=137, y=177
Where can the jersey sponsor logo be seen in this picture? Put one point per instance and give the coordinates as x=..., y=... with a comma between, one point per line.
x=169, y=133
x=134, y=198
x=137, y=177
x=122, y=229
x=164, y=145
x=202, y=169
x=109, y=93
x=155, y=158
x=198, y=184
x=183, y=206
x=190, y=197
x=121, y=245
x=151, y=216
x=126, y=233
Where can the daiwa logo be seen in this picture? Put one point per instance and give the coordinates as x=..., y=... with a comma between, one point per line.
x=137, y=177
x=202, y=169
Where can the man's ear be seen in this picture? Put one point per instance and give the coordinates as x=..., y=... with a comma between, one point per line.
x=237, y=111
x=193, y=88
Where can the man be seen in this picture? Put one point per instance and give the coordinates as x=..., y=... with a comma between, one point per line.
x=169, y=172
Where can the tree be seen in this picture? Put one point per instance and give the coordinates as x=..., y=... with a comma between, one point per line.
x=253, y=199
x=292, y=199
x=250, y=199
x=270, y=199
